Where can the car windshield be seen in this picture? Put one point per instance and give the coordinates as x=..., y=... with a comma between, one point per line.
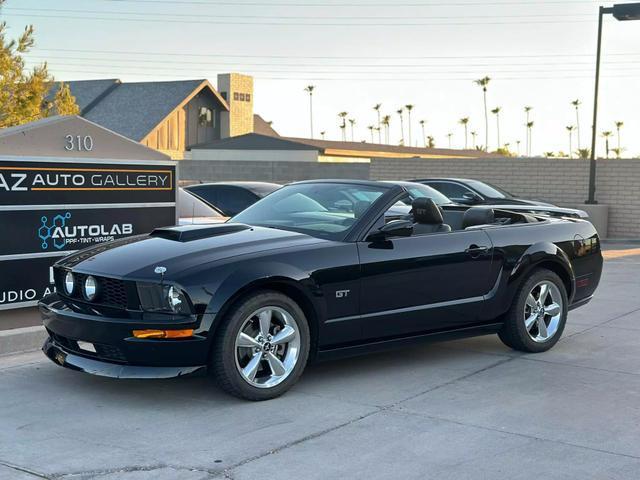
x=326, y=210
x=488, y=190
x=417, y=190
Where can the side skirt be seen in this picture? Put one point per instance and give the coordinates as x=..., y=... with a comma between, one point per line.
x=382, y=345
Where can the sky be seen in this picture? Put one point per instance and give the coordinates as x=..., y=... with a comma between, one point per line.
x=360, y=53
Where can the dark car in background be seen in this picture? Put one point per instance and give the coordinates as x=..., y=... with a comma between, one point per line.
x=474, y=192
x=232, y=197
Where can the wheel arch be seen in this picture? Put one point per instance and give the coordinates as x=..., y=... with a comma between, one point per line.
x=284, y=285
x=549, y=256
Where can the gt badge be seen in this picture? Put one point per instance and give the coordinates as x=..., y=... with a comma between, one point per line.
x=342, y=293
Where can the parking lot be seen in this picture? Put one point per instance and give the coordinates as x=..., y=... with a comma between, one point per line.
x=463, y=409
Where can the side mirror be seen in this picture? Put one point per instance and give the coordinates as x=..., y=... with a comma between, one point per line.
x=395, y=228
x=470, y=198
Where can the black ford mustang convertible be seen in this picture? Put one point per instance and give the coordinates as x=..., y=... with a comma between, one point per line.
x=316, y=269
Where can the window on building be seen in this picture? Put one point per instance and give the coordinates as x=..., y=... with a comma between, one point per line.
x=247, y=97
x=242, y=97
x=235, y=95
x=205, y=117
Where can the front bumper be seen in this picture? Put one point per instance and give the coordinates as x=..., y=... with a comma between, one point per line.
x=58, y=355
x=117, y=353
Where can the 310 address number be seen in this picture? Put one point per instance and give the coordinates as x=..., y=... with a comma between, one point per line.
x=78, y=143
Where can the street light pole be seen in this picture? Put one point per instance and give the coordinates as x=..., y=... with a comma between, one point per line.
x=622, y=12
x=592, y=161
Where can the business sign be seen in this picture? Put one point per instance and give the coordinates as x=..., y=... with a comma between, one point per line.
x=23, y=282
x=35, y=183
x=61, y=230
x=51, y=208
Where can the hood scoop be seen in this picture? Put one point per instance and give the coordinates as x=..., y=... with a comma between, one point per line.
x=187, y=233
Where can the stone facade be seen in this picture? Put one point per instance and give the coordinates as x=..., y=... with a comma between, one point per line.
x=267, y=171
x=237, y=89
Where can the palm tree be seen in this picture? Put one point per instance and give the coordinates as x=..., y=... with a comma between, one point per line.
x=399, y=112
x=424, y=138
x=474, y=134
x=352, y=121
x=527, y=110
x=343, y=125
x=617, y=151
x=449, y=135
x=518, y=142
x=606, y=135
x=484, y=82
x=377, y=109
x=309, y=89
x=570, y=129
x=371, y=127
x=576, y=104
x=409, y=108
x=584, y=153
x=464, y=121
x=619, y=125
x=549, y=154
x=529, y=129
x=496, y=112
x=322, y=134
x=431, y=142
x=386, y=120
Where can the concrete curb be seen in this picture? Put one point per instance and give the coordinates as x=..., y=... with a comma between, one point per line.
x=19, y=340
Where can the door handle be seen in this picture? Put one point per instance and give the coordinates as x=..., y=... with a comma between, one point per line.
x=476, y=250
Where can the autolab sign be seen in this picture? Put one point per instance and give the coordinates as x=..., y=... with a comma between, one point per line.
x=74, y=229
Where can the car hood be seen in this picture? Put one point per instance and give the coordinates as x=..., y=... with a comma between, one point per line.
x=178, y=249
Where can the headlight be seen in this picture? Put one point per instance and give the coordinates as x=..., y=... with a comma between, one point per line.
x=90, y=288
x=175, y=299
x=69, y=283
x=163, y=298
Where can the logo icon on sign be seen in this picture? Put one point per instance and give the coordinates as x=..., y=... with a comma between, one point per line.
x=45, y=232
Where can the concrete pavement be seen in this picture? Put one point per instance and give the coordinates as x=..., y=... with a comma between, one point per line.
x=469, y=409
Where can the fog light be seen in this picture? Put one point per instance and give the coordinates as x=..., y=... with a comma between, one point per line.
x=90, y=288
x=69, y=283
x=163, y=333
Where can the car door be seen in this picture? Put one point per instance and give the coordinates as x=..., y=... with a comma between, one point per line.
x=423, y=283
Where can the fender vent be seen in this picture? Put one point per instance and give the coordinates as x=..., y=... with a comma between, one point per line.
x=186, y=233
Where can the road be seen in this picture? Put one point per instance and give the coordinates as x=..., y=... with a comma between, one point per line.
x=465, y=409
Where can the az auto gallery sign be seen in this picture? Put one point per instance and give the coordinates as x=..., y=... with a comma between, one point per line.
x=49, y=209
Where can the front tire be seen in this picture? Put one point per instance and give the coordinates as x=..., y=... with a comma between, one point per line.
x=261, y=348
x=537, y=317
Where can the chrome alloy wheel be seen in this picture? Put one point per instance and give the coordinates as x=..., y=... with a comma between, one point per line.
x=543, y=311
x=267, y=347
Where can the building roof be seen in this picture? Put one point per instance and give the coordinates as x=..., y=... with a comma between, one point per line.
x=253, y=141
x=134, y=109
x=88, y=92
x=262, y=127
x=375, y=149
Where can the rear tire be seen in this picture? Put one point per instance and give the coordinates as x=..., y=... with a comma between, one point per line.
x=537, y=317
x=262, y=346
